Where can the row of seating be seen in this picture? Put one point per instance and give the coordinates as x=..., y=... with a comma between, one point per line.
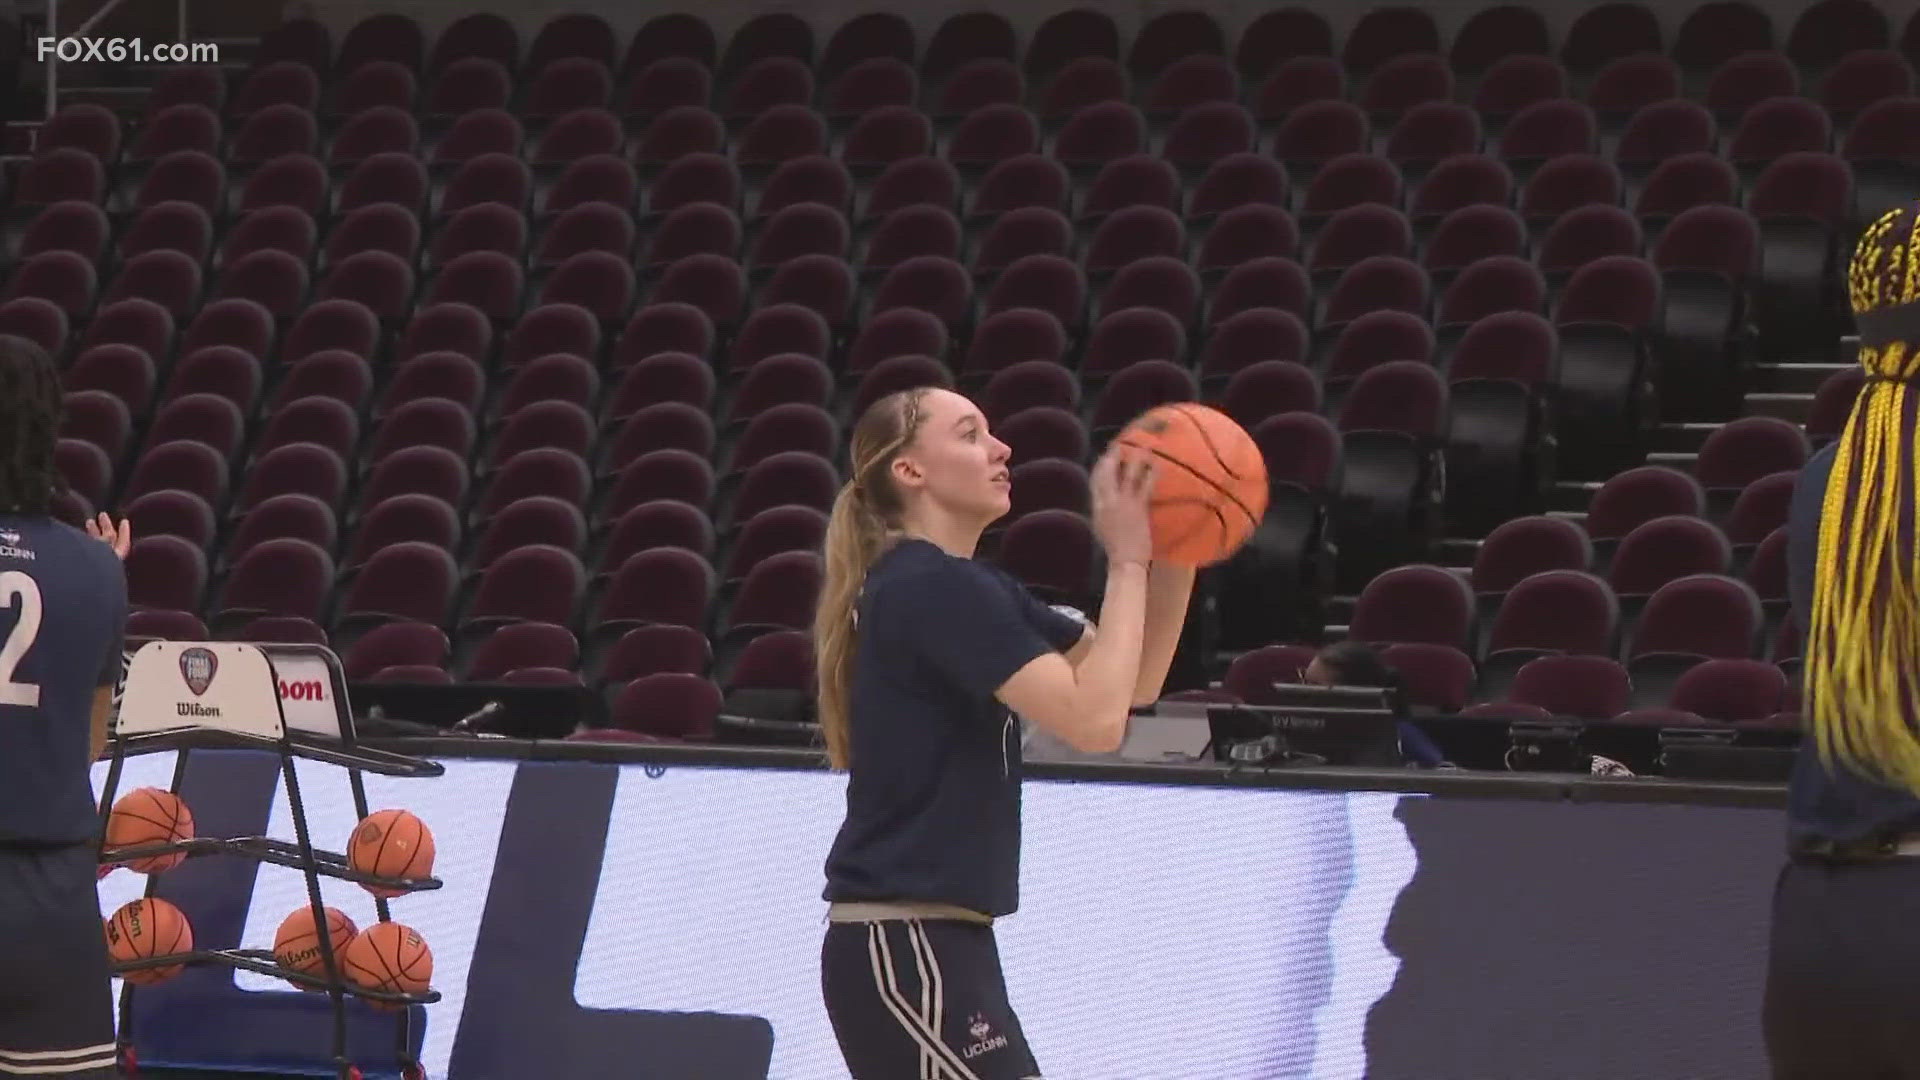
x=658, y=681
x=1092, y=136
x=604, y=543
x=584, y=293
x=1708, y=236
x=422, y=582
x=1653, y=553
x=435, y=435
x=1710, y=34
x=1708, y=692
x=1254, y=364
x=696, y=206
x=1511, y=86
x=1616, y=289
x=1260, y=322
x=1711, y=615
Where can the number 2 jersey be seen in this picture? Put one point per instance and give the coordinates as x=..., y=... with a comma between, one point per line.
x=63, y=610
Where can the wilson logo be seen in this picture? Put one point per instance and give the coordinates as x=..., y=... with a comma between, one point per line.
x=303, y=690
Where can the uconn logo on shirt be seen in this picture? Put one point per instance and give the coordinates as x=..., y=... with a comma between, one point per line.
x=984, y=1039
x=10, y=546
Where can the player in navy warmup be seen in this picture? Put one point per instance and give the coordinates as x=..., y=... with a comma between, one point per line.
x=63, y=604
x=924, y=657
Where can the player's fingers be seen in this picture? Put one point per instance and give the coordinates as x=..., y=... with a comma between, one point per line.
x=1104, y=472
x=1133, y=466
x=1143, y=478
x=1126, y=462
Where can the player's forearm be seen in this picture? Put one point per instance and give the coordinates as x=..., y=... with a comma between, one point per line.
x=1107, y=677
x=1169, y=590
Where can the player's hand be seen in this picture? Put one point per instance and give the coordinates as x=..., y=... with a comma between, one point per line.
x=1122, y=487
x=119, y=537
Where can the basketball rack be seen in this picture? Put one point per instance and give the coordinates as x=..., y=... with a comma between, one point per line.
x=228, y=694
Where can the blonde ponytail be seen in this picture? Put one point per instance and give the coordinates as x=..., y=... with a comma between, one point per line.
x=855, y=537
x=864, y=523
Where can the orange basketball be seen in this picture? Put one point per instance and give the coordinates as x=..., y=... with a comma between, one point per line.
x=392, y=844
x=1211, y=488
x=150, y=815
x=389, y=957
x=296, y=945
x=145, y=928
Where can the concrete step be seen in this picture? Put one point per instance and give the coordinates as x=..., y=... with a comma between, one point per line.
x=1791, y=407
x=1571, y=496
x=1682, y=438
x=1794, y=378
x=1674, y=459
x=1457, y=552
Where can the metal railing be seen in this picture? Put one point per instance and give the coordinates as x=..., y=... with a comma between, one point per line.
x=54, y=32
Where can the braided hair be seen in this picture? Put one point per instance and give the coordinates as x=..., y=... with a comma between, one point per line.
x=30, y=411
x=1862, y=671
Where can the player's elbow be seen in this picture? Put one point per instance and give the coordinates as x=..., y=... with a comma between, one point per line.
x=1091, y=728
x=1077, y=711
x=1103, y=736
x=1083, y=729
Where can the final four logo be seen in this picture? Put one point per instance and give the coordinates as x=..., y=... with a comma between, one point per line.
x=197, y=667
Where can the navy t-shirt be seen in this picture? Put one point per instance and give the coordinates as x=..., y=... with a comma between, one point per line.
x=933, y=795
x=1828, y=801
x=63, y=612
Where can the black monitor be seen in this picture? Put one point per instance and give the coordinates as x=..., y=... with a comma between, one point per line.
x=1310, y=725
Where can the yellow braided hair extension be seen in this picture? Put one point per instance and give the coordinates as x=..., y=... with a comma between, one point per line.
x=1863, y=644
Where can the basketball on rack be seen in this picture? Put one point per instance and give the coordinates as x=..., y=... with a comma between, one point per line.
x=391, y=844
x=389, y=957
x=146, y=928
x=297, y=946
x=150, y=815
x=1211, y=487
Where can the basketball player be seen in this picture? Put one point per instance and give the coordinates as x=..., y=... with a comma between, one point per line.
x=924, y=657
x=1841, y=981
x=63, y=604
